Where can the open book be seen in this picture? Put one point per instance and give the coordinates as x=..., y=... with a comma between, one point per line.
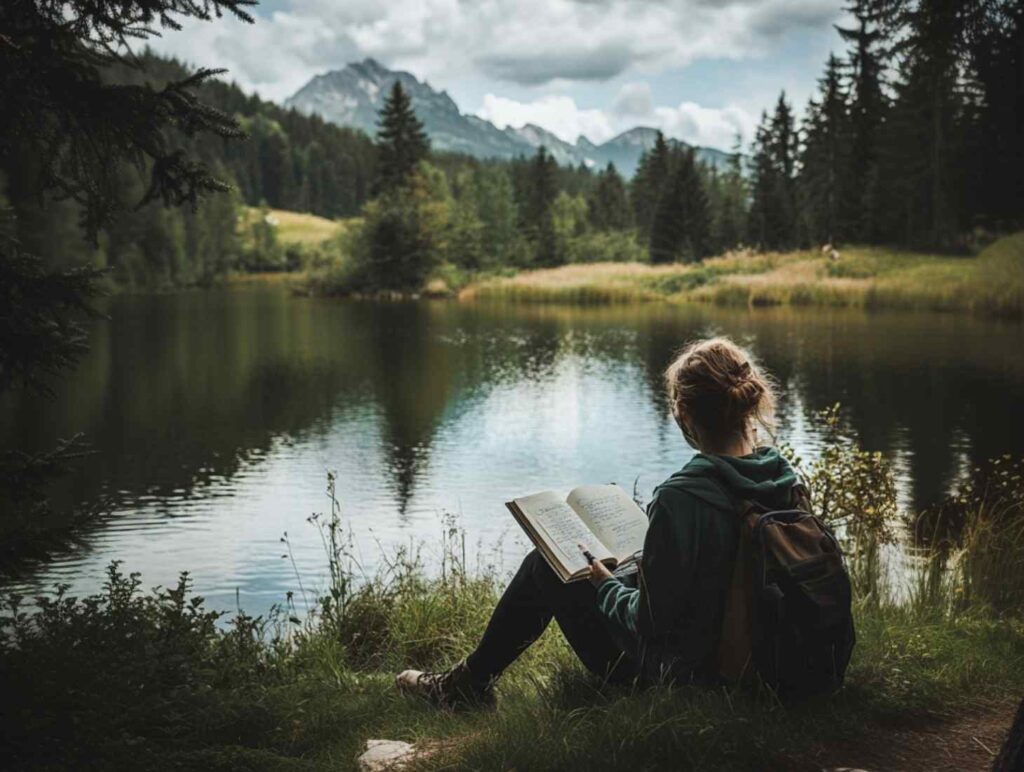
x=603, y=518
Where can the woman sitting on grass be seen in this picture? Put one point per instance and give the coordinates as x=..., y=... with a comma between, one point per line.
x=664, y=623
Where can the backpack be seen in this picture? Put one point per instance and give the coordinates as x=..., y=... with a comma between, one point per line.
x=787, y=617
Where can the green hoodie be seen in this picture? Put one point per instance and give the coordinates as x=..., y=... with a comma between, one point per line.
x=672, y=621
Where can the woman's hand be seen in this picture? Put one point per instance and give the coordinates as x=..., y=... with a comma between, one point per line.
x=598, y=572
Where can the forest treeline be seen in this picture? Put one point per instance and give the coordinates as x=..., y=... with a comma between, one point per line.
x=913, y=139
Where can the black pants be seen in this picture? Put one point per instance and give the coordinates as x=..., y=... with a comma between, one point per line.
x=532, y=599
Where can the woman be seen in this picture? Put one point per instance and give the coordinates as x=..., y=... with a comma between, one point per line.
x=663, y=623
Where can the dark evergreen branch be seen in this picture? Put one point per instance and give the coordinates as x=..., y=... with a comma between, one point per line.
x=41, y=333
x=59, y=110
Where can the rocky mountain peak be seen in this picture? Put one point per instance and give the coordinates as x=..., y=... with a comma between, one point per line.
x=352, y=96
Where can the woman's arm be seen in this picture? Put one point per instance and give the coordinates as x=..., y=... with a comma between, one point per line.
x=666, y=573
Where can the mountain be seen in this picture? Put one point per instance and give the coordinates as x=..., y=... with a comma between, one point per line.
x=353, y=95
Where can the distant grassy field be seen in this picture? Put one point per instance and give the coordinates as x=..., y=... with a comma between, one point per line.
x=990, y=283
x=295, y=227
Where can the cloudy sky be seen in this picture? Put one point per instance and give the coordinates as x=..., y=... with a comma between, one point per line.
x=700, y=70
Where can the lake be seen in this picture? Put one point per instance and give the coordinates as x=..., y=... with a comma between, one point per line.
x=215, y=416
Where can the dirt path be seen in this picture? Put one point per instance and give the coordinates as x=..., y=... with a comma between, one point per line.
x=965, y=743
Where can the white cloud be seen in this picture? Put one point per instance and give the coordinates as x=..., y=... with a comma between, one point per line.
x=706, y=126
x=557, y=114
x=528, y=42
x=690, y=122
x=633, y=99
x=546, y=48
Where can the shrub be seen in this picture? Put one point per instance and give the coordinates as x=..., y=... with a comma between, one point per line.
x=122, y=671
x=979, y=530
x=605, y=246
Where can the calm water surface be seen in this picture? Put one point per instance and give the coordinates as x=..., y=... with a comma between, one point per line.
x=216, y=416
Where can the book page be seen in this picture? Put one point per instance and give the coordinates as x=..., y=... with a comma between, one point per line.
x=563, y=529
x=613, y=517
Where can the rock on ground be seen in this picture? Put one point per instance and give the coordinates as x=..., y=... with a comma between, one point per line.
x=384, y=755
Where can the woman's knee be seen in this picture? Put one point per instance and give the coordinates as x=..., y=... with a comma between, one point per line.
x=540, y=571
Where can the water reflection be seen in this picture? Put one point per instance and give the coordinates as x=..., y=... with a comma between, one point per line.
x=216, y=414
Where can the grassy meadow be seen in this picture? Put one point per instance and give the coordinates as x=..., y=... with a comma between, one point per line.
x=292, y=228
x=280, y=246
x=136, y=679
x=991, y=282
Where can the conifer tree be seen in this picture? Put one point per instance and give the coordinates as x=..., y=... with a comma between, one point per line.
x=651, y=176
x=401, y=140
x=924, y=163
x=773, y=208
x=995, y=150
x=681, y=224
x=465, y=238
x=762, y=185
x=859, y=206
x=542, y=189
x=59, y=110
x=608, y=204
x=731, y=212
x=276, y=171
x=782, y=232
x=496, y=208
x=824, y=164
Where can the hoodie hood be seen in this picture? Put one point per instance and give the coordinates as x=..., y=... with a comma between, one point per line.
x=763, y=477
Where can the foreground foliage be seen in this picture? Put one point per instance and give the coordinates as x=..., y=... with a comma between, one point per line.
x=129, y=679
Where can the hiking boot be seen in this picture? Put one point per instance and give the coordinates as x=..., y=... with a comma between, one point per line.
x=451, y=689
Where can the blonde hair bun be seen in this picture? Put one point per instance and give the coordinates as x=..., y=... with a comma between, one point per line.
x=719, y=389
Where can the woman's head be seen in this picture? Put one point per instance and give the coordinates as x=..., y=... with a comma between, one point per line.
x=718, y=394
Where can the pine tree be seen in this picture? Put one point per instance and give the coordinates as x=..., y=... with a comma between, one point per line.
x=995, y=147
x=59, y=109
x=401, y=141
x=276, y=170
x=496, y=207
x=762, y=185
x=730, y=214
x=782, y=230
x=859, y=206
x=681, y=225
x=924, y=138
x=696, y=244
x=466, y=246
x=823, y=162
x=650, y=179
x=403, y=234
x=608, y=204
x=773, y=206
x=542, y=189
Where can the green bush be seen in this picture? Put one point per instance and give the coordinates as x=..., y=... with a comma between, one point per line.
x=605, y=246
x=117, y=675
